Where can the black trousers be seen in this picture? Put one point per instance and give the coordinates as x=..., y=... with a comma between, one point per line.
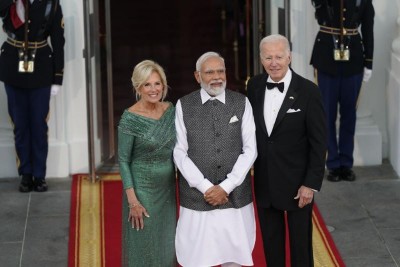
x=273, y=229
x=29, y=110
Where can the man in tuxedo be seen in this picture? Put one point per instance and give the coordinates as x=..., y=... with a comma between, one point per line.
x=291, y=144
x=343, y=60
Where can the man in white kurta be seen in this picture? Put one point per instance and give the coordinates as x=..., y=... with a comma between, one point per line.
x=223, y=236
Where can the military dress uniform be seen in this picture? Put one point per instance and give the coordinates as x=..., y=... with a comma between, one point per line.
x=341, y=55
x=31, y=62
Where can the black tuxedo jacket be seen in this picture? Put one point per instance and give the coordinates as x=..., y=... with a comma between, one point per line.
x=294, y=154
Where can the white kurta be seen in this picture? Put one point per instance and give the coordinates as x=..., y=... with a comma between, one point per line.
x=208, y=238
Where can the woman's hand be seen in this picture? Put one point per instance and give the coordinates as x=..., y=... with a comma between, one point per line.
x=136, y=212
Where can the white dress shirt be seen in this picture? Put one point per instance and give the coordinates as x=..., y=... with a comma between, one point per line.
x=209, y=238
x=273, y=100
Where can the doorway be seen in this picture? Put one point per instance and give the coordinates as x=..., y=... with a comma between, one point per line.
x=173, y=33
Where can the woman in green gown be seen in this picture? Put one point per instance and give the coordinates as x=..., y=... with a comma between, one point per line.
x=146, y=138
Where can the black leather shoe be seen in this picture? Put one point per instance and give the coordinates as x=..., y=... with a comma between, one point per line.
x=26, y=184
x=39, y=185
x=348, y=175
x=334, y=175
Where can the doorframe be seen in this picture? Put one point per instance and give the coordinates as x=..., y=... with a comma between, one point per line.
x=93, y=62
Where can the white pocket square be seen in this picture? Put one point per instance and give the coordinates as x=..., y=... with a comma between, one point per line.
x=293, y=110
x=233, y=119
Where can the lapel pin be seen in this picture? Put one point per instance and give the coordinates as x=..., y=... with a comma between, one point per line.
x=291, y=97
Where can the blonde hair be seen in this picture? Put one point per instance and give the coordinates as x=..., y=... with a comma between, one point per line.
x=141, y=74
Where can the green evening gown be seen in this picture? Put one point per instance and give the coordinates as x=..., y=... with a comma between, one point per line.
x=145, y=157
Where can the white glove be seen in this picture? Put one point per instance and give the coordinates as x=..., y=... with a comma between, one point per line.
x=54, y=89
x=367, y=74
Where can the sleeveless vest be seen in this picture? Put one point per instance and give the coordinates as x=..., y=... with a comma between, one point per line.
x=215, y=144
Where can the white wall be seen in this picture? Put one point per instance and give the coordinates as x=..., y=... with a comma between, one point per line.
x=75, y=112
x=393, y=99
x=374, y=93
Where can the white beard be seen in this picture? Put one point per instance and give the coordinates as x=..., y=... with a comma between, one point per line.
x=213, y=91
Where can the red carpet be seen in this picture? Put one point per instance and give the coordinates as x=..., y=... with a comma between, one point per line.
x=95, y=227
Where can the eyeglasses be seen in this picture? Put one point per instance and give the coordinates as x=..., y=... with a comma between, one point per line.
x=211, y=73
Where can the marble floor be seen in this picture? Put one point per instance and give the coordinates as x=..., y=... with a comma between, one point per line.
x=364, y=217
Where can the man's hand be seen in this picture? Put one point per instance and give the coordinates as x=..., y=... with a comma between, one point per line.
x=216, y=196
x=305, y=196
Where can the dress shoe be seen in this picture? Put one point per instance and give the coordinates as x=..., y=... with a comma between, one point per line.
x=334, y=175
x=26, y=184
x=348, y=175
x=40, y=185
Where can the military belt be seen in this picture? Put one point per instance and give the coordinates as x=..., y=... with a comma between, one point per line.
x=338, y=31
x=31, y=45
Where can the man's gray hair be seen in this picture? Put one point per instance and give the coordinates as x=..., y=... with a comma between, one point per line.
x=205, y=56
x=274, y=38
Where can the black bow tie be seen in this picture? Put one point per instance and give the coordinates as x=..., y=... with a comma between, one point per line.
x=280, y=86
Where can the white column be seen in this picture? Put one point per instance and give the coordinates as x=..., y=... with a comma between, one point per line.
x=393, y=99
x=7, y=150
x=367, y=140
x=73, y=111
x=370, y=140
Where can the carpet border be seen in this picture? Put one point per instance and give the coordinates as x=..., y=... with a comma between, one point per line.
x=329, y=243
x=75, y=209
x=73, y=256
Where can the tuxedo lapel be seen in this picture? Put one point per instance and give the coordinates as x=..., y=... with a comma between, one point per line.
x=260, y=98
x=290, y=98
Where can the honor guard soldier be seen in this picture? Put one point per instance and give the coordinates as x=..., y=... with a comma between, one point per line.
x=342, y=58
x=31, y=67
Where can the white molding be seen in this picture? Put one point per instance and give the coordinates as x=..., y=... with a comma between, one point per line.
x=393, y=111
